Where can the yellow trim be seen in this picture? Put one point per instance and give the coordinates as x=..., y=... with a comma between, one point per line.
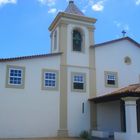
x=92, y=79
x=43, y=80
x=92, y=69
x=89, y=26
x=84, y=76
x=93, y=116
x=63, y=132
x=70, y=16
x=83, y=67
x=83, y=40
x=116, y=81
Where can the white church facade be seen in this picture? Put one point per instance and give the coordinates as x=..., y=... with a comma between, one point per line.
x=79, y=86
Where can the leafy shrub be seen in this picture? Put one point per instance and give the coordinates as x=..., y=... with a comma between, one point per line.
x=85, y=135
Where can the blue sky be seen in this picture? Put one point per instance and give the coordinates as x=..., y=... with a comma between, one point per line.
x=24, y=23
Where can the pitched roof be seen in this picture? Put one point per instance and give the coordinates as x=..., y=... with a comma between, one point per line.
x=29, y=57
x=128, y=91
x=73, y=9
x=71, y=12
x=117, y=40
x=134, y=88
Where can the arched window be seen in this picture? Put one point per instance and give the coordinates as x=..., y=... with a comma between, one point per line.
x=55, y=40
x=127, y=60
x=77, y=41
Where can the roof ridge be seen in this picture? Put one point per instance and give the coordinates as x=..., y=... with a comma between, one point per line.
x=115, y=40
x=29, y=56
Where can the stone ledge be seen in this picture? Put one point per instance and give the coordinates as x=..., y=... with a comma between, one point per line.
x=126, y=136
x=100, y=134
x=62, y=133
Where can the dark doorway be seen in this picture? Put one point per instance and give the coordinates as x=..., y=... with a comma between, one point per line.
x=122, y=111
x=138, y=115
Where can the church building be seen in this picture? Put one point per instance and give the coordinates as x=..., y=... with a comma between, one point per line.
x=79, y=86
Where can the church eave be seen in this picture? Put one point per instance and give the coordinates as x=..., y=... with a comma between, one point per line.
x=29, y=57
x=116, y=40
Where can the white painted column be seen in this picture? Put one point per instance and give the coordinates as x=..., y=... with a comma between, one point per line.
x=131, y=121
x=131, y=114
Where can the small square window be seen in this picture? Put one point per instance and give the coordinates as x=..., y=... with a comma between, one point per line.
x=50, y=80
x=111, y=79
x=15, y=77
x=78, y=82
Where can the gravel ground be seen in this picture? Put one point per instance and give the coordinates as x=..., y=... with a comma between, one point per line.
x=102, y=138
x=41, y=139
x=58, y=139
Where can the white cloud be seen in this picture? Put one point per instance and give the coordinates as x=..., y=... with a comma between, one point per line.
x=126, y=27
x=99, y=6
x=118, y=24
x=52, y=11
x=48, y=2
x=95, y=6
x=122, y=26
x=84, y=10
x=3, y=2
x=137, y=2
x=90, y=2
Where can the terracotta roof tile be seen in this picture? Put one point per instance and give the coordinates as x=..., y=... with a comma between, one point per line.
x=131, y=88
x=73, y=9
x=129, y=91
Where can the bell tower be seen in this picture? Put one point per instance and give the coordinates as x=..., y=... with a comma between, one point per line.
x=72, y=33
x=76, y=20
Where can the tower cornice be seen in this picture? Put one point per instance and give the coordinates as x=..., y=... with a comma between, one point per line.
x=70, y=16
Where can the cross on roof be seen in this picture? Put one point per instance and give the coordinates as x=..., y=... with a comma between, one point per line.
x=124, y=33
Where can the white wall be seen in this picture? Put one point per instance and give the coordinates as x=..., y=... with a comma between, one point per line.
x=29, y=112
x=77, y=121
x=110, y=57
x=108, y=117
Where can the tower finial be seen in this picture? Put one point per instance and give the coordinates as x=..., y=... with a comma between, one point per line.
x=124, y=33
x=71, y=1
